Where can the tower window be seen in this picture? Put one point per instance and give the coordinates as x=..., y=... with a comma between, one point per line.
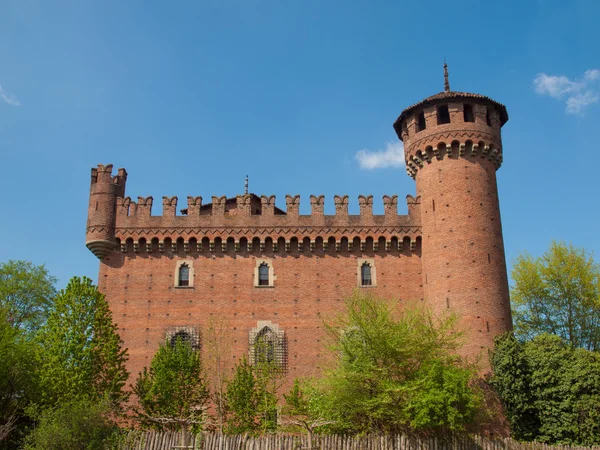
x=263, y=274
x=421, y=124
x=184, y=275
x=488, y=118
x=365, y=275
x=468, y=113
x=443, y=116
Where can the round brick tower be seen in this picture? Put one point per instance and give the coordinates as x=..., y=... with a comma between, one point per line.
x=453, y=147
x=104, y=190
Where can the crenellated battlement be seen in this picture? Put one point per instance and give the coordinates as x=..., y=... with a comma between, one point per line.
x=114, y=219
x=250, y=205
x=102, y=176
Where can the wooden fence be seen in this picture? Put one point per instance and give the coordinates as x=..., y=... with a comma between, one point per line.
x=170, y=441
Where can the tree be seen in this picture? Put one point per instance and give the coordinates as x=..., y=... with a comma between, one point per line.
x=74, y=424
x=252, y=397
x=300, y=411
x=26, y=293
x=242, y=400
x=512, y=381
x=558, y=293
x=173, y=392
x=550, y=390
x=268, y=381
x=80, y=353
x=217, y=357
x=17, y=385
x=395, y=372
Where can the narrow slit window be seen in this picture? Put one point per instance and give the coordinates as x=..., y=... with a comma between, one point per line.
x=365, y=275
x=421, y=125
x=184, y=275
x=443, y=115
x=263, y=275
x=488, y=118
x=468, y=113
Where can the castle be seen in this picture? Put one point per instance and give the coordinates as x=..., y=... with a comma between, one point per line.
x=272, y=276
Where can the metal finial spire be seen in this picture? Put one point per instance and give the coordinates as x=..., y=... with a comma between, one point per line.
x=446, y=82
x=246, y=186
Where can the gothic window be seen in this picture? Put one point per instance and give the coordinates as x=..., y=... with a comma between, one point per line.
x=184, y=275
x=180, y=336
x=267, y=344
x=263, y=274
x=264, y=346
x=365, y=274
x=188, y=335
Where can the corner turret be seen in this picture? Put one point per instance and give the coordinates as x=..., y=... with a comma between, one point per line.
x=104, y=191
x=453, y=147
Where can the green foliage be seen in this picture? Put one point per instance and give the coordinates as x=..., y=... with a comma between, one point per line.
x=252, y=398
x=550, y=390
x=558, y=293
x=296, y=403
x=26, y=293
x=268, y=380
x=173, y=391
x=74, y=425
x=17, y=382
x=242, y=400
x=395, y=372
x=512, y=382
x=79, y=349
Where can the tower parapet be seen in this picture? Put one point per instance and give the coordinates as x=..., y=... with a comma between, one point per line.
x=453, y=147
x=104, y=191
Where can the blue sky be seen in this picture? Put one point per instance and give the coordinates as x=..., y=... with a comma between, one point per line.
x=191, y=96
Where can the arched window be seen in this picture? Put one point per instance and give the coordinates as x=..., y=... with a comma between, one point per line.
x=187, y=335
x=264, y=346
x=263, y=274
x=267, y=344
x=184, y=275
x=365, y=274
x=180, y=336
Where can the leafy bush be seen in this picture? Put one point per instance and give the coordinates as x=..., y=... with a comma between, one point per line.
x=550, y=390
x=395, y=371
x=76, y=425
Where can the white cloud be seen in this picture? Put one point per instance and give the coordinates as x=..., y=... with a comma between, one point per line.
x=392, y=156
x=592, y=75
x=578, y=93
x=576, y=103
x=9, y=98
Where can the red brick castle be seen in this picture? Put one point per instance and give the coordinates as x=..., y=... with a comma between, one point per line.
x=272, y=275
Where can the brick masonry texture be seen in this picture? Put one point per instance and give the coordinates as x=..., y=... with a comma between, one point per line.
x=448, y=252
